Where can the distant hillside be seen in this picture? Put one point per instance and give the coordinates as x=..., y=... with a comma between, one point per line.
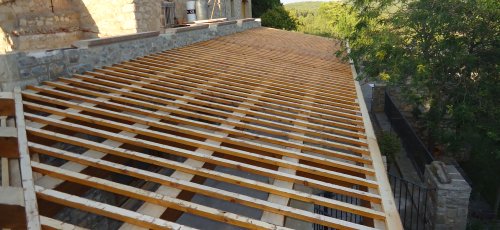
x=303, y=6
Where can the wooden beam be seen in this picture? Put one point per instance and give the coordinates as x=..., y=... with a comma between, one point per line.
x=198, y=170
x=53, y=224
x=221, y=137
x=152, y=197
x=105, y=210
x=393, y=220
x=200, y=189
x=31, y=207
x=7, y=107
x=5, y=172
x=191, y=154
x=202, y=124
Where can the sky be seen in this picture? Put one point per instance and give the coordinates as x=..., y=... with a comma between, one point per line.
x=290, y=1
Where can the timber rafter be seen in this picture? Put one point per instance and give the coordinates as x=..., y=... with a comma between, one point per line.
x=273, y=104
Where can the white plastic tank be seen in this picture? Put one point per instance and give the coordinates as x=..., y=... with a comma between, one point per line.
x=202, y=9
x=191, y=11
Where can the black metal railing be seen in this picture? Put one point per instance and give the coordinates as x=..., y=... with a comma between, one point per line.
x=412, y=201
x=342, y=215
x=415, y=148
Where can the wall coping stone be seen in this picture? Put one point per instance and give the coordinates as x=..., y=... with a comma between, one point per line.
x=187, y=28
x=223, y=23
x=109, y=40
x=247, y=20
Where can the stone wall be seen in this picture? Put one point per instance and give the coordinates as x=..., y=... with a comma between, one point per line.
x=31, y=68
x=118, y=17
x=449, y=197
x=148, y=15
x=45, y=24
x=24, y=23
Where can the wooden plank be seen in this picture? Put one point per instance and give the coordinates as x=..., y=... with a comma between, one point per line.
x=220, y=137
x=317, y=128
x=196, y=169
x=210, y=118
x=163, y=136
x=275, y=98
x=5, y=172
x=393, y=220
x=10, y=148
x=203, y=125
x=11, y=196
x=156, y=210
x=53, y=224
x=148, y=93
x=31, y=207
x=8, y=132
x=245, y=73
x=201, y=107
x=207, y=94
x=152, y=197
x=7, y=107
x=262, y=71
x=271, y=217
x=200, y=189
x=253, y=95
x=105, y=210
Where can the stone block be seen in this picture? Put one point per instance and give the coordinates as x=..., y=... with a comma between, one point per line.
x=27, y=61
x=450, y=200
x=55, y=70
x=79, y=68
x=39, y=70
x=25, y=73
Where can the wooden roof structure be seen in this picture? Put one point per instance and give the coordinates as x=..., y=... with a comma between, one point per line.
x=260, y=104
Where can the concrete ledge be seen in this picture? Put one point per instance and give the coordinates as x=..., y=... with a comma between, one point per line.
x=224, y=23
x=110, y=40
x=211, y=20
x=247, y=20
x=190, y=28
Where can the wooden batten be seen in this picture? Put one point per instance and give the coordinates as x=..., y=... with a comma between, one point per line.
x=228, y=110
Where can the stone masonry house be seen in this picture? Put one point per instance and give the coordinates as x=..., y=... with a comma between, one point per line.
x=49, y=24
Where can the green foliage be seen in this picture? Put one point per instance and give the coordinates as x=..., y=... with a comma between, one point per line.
x=444, y=54
x=259, y=7
x=332, y=19
x=303, y=6
x=389, y=144
x=279, y=18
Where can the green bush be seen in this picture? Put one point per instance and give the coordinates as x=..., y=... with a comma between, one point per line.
x=389, y=144
x=279, y=18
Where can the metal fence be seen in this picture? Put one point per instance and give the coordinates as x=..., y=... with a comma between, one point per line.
x=412, y=201
x=347, y=216
x=415, y=148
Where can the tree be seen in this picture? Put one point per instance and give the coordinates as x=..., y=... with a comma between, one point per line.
x=332, y=19
x=279, y=18
x=444, y=54
x=259, y=7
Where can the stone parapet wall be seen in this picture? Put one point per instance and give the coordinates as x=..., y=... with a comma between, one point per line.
x=31, y=68
x=449, y=197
